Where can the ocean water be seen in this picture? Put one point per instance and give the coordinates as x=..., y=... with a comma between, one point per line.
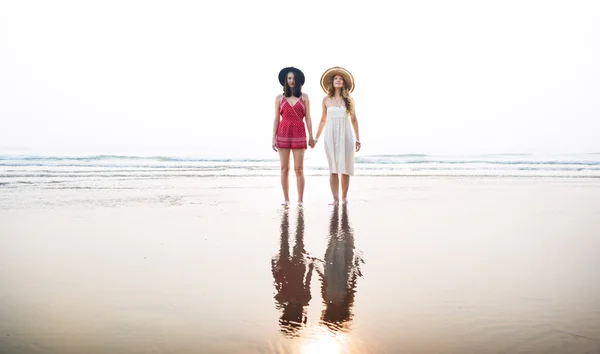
x=157, y=254
x=20, y=170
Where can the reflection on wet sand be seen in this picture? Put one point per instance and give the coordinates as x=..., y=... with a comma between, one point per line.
x=340, y=272
x=292, y=275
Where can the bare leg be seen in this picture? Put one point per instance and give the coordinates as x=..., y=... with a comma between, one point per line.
x=334, y=182
x=299, y=169
x=284, y=159
x=345, y=186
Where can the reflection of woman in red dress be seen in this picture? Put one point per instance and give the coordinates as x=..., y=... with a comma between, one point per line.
x=289, y=131
x=292, y=274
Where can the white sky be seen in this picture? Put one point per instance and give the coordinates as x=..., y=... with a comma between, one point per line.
x=184, y=76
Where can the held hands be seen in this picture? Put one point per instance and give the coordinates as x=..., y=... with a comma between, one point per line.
x=313, y=142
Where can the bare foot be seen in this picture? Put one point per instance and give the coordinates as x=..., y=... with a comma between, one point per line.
x=335, y=202
x=300, y=204
x=345, y=201
x=286, y=203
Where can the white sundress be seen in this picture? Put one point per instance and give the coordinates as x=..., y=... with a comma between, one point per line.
x=339, y=141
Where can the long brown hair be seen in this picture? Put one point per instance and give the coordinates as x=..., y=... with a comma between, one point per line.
x=289, y=91
x=345, y=94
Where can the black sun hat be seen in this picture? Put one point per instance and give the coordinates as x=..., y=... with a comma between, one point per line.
x=298, y=74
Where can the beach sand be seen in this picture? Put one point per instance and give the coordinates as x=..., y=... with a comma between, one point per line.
x=216, y=265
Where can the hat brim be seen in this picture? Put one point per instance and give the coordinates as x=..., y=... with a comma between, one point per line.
x=336, y=70
x=298, y=74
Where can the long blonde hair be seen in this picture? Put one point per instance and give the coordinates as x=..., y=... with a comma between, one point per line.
x=345, y=94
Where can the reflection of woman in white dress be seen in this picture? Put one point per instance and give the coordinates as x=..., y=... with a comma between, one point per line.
x=340, y=272
x=338, y=120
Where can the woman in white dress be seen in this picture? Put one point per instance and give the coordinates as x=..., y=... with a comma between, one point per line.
x=338, y=120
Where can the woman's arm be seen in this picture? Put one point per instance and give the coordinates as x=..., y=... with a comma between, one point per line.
x=276, y=122
x=354, y=121
x=323, y=120
x=308, y=120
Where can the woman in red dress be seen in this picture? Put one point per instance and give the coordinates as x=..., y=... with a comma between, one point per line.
x=292, y=109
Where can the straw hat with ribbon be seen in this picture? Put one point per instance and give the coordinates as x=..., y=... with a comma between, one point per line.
x=336, y=70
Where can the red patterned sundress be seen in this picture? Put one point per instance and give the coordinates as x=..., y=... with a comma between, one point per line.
x=291, y=133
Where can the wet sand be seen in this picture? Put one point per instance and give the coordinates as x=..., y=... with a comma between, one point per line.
x=411, y=265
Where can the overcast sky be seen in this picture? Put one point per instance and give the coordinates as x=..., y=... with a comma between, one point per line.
x=187, y=76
